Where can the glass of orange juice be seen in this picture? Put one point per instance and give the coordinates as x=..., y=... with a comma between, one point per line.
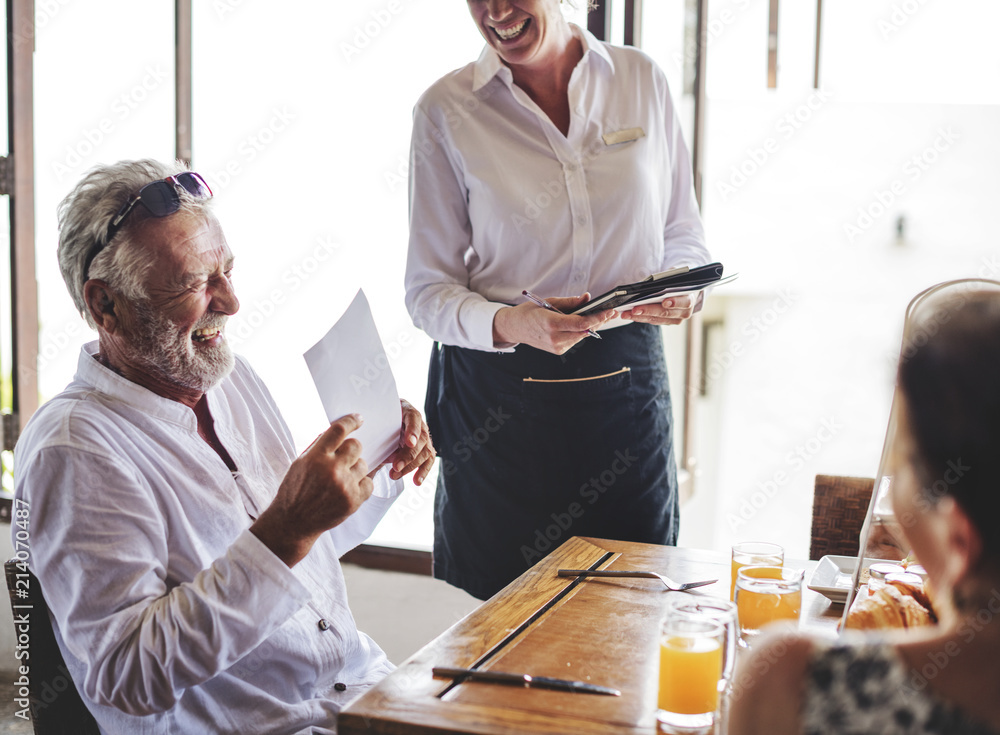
x=754, y=553
x=692, y=650
x=724, y=613
x=766, y=595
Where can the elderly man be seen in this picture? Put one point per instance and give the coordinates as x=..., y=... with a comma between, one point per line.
x=189, y=559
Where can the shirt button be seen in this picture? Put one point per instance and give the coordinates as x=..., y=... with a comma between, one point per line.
x=579, y=110
x=323, y=625
x=571, y=167
x=581, y=221
x=340, y=686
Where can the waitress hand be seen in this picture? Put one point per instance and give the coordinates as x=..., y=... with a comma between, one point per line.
x=543, y=329
x=671, y=311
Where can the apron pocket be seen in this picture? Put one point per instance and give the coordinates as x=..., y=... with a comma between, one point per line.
x=579, y=380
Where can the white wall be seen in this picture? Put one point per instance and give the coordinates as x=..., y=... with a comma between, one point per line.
x=403, y=612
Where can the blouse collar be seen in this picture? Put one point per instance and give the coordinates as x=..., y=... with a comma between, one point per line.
x=489, y=65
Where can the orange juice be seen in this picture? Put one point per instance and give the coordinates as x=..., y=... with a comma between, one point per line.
x=757, y=609
x=737, y=566
x=690, y=669
x=756, y=553
x=759, y=602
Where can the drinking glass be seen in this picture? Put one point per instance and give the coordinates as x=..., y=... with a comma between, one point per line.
x=754, y=553
x=765, y=595
x=724, y=613
x=692, y=653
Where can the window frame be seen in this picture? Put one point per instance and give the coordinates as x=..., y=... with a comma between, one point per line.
x=18, y=184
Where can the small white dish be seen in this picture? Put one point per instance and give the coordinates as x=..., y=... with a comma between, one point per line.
x=832, y=576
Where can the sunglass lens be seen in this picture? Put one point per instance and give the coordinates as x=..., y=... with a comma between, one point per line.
x=194, y=184
x=160, y=198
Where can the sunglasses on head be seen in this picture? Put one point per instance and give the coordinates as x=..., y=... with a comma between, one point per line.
x=160, y=198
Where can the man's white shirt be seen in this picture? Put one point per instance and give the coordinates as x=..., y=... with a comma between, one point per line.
x=171, y=615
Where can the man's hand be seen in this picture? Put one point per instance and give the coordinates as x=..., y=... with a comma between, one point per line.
x=547, y=330
x=416, y=452
x=322, y=488
x=671, y=311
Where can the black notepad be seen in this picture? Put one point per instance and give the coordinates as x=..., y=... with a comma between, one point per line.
x=694, y=279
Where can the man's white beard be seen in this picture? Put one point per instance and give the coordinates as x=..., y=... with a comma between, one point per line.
x=167, y=350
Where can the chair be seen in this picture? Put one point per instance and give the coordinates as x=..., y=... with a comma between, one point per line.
x=55, y=704
x=840, y=505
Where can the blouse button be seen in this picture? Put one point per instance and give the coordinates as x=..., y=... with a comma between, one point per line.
x=340, y=686
x=323, y=625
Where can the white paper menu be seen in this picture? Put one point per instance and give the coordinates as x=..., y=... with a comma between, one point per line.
x=352, y=374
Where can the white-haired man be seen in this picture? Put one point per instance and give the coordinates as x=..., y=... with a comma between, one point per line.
x=189, y=559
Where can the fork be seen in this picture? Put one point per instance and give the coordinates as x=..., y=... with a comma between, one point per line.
x=667, y=582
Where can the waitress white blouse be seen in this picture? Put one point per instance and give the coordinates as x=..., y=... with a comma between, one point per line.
x=501, y=200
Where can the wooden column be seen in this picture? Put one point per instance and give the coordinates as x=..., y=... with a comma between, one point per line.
x=599, y=20
x=182, y=82
x=24, y=288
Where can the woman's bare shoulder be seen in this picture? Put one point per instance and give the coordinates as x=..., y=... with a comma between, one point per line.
x=769, y=685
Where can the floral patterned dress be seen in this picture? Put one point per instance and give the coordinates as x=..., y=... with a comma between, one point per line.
x=855, y=689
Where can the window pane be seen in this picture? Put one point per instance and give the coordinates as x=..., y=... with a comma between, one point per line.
x=668, y=36
x=302, y=125
x=6, y=344
x=836, y=205
x=104, y=91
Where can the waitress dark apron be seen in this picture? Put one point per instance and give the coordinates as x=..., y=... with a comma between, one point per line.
x=535, y=448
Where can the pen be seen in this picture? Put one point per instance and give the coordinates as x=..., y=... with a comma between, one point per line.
x=546, y=305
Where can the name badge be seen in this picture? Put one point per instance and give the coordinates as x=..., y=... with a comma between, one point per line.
x=623, y=136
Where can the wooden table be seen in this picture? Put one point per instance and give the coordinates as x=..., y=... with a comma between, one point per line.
x=599, y=630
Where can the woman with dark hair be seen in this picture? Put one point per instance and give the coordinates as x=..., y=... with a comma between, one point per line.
x=946, y=497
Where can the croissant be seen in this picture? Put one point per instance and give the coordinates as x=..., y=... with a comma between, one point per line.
x=913, y=586
x=887, y=607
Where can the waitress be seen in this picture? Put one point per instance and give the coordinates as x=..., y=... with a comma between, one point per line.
x=555, y=164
